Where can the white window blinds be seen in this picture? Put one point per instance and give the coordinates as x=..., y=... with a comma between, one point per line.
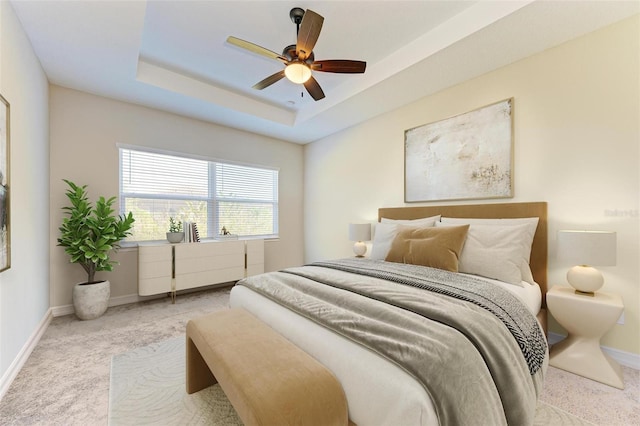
x=156, y=186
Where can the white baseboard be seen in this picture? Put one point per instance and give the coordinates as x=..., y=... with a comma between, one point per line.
x=62, y=310
x=129, y=298
x=23, y=355
x=627, y=359
x=59, y=311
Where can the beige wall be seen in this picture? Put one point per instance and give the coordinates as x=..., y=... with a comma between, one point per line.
x=577, y=113
x=24, y=288
x=84, y=132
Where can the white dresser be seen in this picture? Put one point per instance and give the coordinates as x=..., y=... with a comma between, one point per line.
x=167, y=268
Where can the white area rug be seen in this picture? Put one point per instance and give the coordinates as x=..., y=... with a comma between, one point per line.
x=148, y=388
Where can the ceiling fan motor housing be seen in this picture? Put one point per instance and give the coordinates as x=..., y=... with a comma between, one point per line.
x=289, y=52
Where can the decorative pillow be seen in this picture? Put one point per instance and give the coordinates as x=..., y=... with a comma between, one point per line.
x=386, y=230
x=496, y=251
x=434, y=247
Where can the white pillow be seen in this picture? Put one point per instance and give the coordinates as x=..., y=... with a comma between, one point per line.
x=496, y=251
x=424, y=222
x=527, y=275
x=532, y=223
x=385, y=232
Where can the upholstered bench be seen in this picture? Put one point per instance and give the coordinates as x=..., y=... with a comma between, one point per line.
x=268, y=380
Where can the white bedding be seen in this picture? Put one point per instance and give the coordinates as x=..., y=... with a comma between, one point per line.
x=530, y=294
x=378, y=392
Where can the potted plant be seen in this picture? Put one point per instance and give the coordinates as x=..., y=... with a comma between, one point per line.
x=88, y=234
x=175, y=234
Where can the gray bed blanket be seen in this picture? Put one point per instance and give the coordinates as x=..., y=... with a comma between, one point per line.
x=466, y=358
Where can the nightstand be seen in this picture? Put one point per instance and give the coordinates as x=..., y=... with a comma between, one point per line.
x=586, y=317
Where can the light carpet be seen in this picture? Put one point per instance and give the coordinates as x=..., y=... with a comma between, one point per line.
x=148, y=388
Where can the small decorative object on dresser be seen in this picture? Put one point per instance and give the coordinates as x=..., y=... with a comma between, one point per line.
x=191, y=234
x=175, y=234
x=586, y=249
x=586, y=318
x=359, y=232
x=226, y=235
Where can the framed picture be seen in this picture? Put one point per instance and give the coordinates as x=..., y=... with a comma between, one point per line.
x=468, y=156
x=5, y=229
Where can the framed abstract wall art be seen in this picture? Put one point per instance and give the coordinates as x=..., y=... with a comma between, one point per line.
x=468, y=156
x=5, y=230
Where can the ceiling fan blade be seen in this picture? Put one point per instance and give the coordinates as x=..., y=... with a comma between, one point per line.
x=254, y=48
x=269, y=80
x=308, y=33
x=343, y=66
x=314, y=89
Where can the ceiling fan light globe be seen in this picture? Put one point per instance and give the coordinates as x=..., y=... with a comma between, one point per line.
x=297, y=72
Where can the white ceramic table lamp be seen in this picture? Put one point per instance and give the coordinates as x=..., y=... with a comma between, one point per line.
x=586, y=249
x=359, y=232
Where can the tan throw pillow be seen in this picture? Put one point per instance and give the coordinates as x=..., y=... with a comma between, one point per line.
x=434, y=247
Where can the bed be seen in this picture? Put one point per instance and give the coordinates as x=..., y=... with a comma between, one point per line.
x=397, y=367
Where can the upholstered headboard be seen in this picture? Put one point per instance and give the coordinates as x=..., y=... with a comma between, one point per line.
x=498, y=210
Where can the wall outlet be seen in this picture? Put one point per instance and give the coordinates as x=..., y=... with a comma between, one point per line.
x=621, y=319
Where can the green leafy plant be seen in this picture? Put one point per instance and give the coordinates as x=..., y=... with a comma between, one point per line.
x=89, y=233
x=175, y=225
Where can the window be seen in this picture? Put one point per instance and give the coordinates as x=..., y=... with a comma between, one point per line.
x=156, y=186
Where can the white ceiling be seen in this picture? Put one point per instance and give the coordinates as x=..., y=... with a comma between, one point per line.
x=173, y=55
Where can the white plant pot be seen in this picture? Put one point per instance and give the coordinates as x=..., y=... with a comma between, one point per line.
x=90, y=301
x=175, y=237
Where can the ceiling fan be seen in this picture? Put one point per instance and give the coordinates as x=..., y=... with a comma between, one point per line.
x=299, y=58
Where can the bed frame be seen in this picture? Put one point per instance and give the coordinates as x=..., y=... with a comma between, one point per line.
x=491, y=211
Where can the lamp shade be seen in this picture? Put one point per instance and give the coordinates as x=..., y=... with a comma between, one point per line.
x=359, y=231
x=593, y=248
